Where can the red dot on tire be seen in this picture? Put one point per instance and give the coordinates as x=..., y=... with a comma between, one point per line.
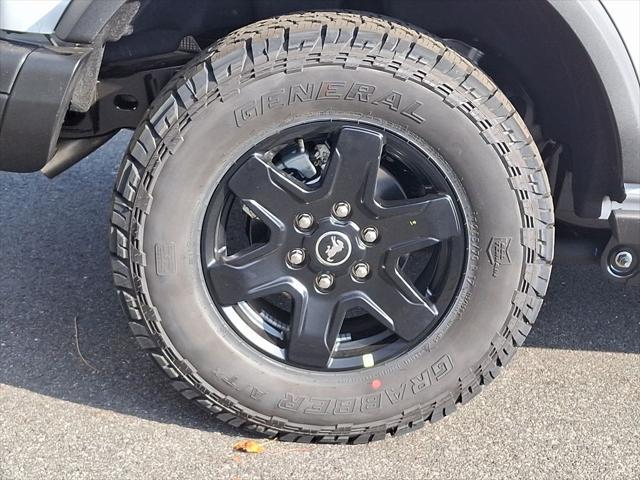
x=376, y=384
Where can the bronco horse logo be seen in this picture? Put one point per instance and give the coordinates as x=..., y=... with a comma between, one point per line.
x=335, y=248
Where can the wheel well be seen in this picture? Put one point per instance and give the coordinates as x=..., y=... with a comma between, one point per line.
x=526, y=46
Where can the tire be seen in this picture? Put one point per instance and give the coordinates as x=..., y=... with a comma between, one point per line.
x=379, y=75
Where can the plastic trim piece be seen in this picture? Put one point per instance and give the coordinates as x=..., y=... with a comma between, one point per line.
x=37, y=102
x=70, y=152
x=13, y=57
x=83, y=21
x=594, y=28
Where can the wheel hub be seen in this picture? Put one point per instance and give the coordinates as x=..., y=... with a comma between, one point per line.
x=333, y=247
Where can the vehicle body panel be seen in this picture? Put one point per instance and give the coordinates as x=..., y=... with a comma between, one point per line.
x=33, y=16
x=625, y=15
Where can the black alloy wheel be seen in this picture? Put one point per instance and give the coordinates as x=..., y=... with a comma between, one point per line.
x=351, y=266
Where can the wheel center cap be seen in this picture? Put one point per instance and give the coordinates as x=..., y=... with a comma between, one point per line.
x=333, y=248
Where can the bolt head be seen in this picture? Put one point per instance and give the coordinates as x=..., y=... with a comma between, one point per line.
x=304, y=221
x=361, y=270
x=296, y=257
x=623, y=259
x=341, y=210
x=370, y=234
x=324, y=281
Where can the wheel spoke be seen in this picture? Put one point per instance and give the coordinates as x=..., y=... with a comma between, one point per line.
x=253, y=274
x=422, y=282
x=353, y=164
x=315, y=326
x=419, y=223
x=398, y=306
x=265, y=188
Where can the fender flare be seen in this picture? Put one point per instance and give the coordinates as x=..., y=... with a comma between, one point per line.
x=597, y=33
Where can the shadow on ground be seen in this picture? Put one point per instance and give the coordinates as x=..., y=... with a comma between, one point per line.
x=55, y=268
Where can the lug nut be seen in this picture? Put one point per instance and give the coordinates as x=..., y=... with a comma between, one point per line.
x=324, y=281
x=361, y=270
x=296, y=257
x=341, y=210
x=623, y=259
x=304, y=221
x=370, y=234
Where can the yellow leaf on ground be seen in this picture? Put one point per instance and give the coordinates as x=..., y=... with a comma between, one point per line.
x=249, y=446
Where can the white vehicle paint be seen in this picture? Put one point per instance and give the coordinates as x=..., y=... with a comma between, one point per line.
x=625, y=15
x=35, y=16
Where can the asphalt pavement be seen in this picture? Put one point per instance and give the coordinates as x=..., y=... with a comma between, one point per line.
x=567, y=406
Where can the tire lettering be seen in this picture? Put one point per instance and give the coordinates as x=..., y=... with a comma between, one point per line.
x=441, y=367
x=291, y=402
x=254, y=392
x=165, y=258
x=360, y=91
x=366, y=403
x=318, y=406
x=299, y=93
x=392, y=100
x=397, y=394
x=411, y=110
x=370, y=402
x=344, y=406
x=331, y=90
x=246, y=112
x=274, y=100
x=420, y=382
x=328, y=90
